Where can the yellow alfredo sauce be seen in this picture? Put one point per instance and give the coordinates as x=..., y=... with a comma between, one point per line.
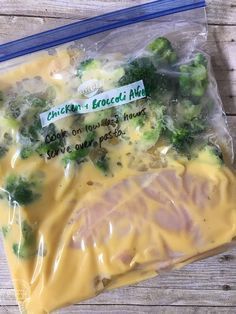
x=96, y=232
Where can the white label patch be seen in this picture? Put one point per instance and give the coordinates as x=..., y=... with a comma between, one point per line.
x=115, y=97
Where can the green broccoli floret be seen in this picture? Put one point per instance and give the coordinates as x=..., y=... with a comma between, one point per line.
x=186, y=111
x=141, y=69
x=31, y=130
x=163, y=51
x=24, y=110
x=14, y=108
x=4, y=146
x=147, y=123
x=153, y=127
x=43, y=148
x=41, y=102
x=21, y=190
x=200, y=59
x=24, y=251
x=3, y=151
x=193, y=79
x=7, y=138
x=28, y=246
x=21, y=107
x=155, y=82
x=37, y=102
x=33, y=140
x=26, y=152
x=87, y=65
x=5, y=231
x=183, y=137
x=79, y=156
x=100, y=160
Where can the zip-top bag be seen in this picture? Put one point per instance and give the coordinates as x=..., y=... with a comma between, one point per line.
x=115, y=157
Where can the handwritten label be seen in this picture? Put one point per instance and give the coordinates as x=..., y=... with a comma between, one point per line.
x=89, y=129
x=116, y=97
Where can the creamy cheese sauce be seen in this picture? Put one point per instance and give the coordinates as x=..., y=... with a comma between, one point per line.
x=96, y=232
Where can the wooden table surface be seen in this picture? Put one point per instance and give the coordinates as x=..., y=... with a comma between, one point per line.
x=207, y=286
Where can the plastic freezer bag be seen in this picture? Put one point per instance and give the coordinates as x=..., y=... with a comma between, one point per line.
x=116, y=161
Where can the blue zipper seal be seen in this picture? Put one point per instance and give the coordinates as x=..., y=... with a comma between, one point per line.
x=92, y=26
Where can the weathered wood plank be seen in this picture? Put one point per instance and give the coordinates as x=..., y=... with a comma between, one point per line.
x=126, y=309
x=140, y=296
x=12, y=27
x=74, y=9
x=83, y=309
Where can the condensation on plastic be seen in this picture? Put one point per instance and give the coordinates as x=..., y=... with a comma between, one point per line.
x=123, y=211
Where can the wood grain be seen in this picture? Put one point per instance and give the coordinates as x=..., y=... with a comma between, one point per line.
x=140, y=296
x=103, y=309
x=219, y=12
x=207, y=286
